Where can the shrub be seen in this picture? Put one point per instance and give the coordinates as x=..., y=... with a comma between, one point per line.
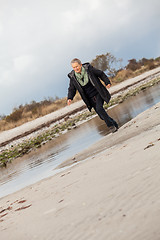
x=15, y=115
x=151, y=65
x=133, y=65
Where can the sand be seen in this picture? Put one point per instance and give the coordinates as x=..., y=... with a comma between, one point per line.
x=112, y=193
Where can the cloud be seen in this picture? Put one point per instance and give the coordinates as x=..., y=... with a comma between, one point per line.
x=38, y=39
x=23, y=63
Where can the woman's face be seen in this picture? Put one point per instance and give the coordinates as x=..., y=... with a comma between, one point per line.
x=77, y=67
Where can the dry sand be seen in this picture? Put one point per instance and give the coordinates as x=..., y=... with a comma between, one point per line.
x=113, y=194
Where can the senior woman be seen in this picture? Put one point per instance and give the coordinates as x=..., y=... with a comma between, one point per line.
x=87, y=80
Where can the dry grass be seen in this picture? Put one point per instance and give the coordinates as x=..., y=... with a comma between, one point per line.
x=29, y=112
x=125, y=74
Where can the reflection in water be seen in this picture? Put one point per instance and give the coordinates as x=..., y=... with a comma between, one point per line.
x=135, y=105
x=40, y=163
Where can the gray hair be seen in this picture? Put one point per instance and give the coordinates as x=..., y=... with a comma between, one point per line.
x=76, y=60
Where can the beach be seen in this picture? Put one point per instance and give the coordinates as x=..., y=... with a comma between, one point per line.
x=109, y=191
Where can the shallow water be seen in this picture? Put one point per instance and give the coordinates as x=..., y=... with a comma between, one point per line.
x=41, y=163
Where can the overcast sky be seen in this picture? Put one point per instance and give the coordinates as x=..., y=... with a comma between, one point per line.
x=38, y=38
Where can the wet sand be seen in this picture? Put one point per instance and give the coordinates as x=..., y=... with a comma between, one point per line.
x=112, y=193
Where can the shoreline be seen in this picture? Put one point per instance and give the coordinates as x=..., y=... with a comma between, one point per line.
x=24, y=145
x=112, y=193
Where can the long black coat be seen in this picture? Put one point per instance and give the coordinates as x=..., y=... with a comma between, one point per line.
x=95, y=76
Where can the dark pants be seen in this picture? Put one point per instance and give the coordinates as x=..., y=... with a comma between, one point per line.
x=97, y=103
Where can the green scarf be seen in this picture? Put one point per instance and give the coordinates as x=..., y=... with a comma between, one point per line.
x=82, y=77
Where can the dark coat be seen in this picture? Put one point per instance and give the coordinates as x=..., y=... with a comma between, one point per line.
x=95, y=76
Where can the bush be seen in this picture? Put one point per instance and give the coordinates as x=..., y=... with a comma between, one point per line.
x=15, y=115
x=133, y=65
x=151, y=65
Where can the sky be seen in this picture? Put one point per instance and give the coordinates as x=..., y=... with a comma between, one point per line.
x=39, y=38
